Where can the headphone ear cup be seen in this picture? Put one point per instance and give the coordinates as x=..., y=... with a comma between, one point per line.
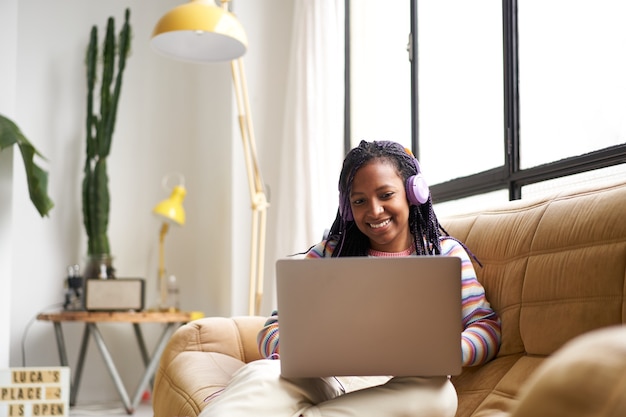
x=417, y=191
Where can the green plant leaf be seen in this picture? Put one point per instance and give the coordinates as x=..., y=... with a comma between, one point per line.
x=36, y=177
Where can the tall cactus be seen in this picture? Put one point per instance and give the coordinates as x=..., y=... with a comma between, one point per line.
x=100, y=129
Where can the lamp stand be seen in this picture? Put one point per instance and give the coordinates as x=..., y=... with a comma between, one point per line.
x=162, y=282
x=257, y=194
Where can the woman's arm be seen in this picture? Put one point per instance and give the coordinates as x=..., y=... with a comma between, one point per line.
x=267, y=338
x=481, y=335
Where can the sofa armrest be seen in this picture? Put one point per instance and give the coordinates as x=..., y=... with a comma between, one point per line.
x=232, y=336
x=199, y=360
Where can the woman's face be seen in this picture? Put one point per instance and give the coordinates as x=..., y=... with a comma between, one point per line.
x=380, y=208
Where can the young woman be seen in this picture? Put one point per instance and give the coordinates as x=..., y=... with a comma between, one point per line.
x=384, y=210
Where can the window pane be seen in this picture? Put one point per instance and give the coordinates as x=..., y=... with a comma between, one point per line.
x=460, y=87
x=598, y=177
x=471, y=204
x=380, y=75
x=572, y=66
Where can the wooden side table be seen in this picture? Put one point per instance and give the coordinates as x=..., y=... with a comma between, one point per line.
x=91, y=319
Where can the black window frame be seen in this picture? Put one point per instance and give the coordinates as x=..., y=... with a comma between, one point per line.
x=509, y=176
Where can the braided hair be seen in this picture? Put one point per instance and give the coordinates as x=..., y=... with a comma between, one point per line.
x=423, y=223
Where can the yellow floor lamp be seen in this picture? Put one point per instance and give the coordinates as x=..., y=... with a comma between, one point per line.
x=202, y=32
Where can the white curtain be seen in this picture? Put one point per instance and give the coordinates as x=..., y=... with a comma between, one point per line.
x=305, y=201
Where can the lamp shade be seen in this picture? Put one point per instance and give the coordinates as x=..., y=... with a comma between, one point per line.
x=172, y=209
x=200, y=31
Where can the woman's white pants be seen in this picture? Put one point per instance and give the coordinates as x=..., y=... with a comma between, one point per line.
x=258, y=390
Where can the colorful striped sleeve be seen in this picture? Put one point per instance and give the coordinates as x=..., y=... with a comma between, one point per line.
x=267, y=339
x=481, y=336
x=322, y=250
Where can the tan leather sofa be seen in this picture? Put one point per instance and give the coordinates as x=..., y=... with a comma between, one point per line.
x=555, y=271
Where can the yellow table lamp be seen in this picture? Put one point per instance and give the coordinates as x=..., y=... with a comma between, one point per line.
x=172, y=212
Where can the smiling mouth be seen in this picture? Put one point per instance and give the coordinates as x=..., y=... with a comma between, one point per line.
x=379, y=225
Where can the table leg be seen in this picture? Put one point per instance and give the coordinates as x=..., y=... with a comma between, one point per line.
x=58, y=331
x=142, y=348
x=111, y=367
x=154, y=362
x=142, y=344
x=78, y=372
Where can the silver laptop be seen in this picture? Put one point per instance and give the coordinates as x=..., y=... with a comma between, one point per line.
x=361, y=316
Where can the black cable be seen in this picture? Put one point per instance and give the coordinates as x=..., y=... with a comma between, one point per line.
x=30, y=323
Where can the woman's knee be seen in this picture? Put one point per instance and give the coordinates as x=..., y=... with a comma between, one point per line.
x=432, y=397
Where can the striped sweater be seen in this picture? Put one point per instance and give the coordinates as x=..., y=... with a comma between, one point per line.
x=480, y=339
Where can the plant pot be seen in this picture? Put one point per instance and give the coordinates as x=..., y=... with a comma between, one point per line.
x=99, y=266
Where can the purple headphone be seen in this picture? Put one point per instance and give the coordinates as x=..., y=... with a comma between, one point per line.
x=417, y=192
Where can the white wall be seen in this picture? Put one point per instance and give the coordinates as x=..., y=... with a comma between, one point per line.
x=173, y=116
x=8, y=33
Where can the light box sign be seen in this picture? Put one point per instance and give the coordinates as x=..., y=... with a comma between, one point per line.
x=29, y=392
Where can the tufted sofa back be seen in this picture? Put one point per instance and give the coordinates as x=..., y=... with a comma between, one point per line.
x=554, y=268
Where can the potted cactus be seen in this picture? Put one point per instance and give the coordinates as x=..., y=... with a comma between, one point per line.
x=100, y=127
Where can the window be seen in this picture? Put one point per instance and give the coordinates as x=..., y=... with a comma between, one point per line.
x=507, y=100
x=572, y=80
x=459, y=60
x=380, y=73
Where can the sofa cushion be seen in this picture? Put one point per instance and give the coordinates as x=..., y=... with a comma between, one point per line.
x=587, y=377
x=476, y=384
x=184, y=382
x=575, y=277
